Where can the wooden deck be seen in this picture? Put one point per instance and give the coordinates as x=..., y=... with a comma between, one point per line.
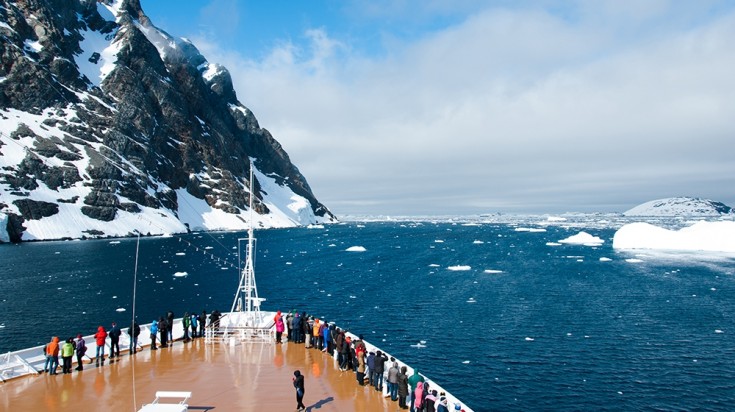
x=243, y=377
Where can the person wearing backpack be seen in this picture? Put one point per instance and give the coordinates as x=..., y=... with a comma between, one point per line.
x=133, y=332
x=81, y=350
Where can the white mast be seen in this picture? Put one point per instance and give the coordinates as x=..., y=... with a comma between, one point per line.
x=247, y=290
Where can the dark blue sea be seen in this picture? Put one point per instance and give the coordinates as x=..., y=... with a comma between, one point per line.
x=519, y=324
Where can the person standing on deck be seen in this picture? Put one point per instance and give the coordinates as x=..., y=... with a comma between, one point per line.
x=296, y=327
x=133, y=332
x=214, y=320
x=186, y=322
x=163, y=331
x=202, y=322
x=326, y=337
x=99, y=338
x=442, y=407
x=52, y=356
x=289, y=325
x=298, y=383
x=114, y=335
x=307, y=324
x=360, y=370
x=380, y=359
x=170, y=329
x=154, y=332
x=193, y=323
x=418, y=397
x=371, y=368
x=393, y=380
x=430, y=401
x=280, y=327
x=413, y=381
x=81, y=350
x=67, y=351
x=344, y=361
x=402, y=388
x=320, y=334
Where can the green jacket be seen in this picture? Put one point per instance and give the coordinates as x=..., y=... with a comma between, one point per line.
x=67, y=350
x=414, y=379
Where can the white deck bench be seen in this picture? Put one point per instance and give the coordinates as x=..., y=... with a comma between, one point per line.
x=157, y=406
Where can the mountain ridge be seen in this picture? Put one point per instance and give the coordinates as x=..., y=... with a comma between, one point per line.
x=116, y=126
x=680, y=206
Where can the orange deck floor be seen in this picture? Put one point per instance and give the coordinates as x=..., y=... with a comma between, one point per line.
x=241, y=377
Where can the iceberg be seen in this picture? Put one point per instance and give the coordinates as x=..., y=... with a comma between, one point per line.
x=701, y=236
x=583, y=238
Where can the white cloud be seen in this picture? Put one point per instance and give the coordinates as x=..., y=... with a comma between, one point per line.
x=511, y=109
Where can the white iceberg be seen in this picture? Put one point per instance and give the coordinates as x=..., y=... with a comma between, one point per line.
x=701, y=236
x=583, y=238
x=356, y=249
x=459, y=268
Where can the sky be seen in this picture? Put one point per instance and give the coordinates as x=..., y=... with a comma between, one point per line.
x=437, y=107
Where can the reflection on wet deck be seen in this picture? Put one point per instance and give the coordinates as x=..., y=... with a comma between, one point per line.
x=245, y=377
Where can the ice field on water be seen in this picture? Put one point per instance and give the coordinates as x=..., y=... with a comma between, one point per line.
x=504, y=314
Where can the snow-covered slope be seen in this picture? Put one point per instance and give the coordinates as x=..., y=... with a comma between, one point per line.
x=109, y=125
x=680, y=206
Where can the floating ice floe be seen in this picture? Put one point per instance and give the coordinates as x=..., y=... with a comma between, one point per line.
x=719, y=331
x=529, y=339
x=605, y=259
x=633, y=260
x=120, y=310
x=705, y=236
x=459, y=268
x=434, y=265
x=418, y=345
x=115, y=242
x=583, y=238
x=553, y=244
x=180, y=274
x=356, y=249
x=180, y=254
x=471, y=300
x=529, y=229
x=478, y=242
x=492, y=271
x=466, y=362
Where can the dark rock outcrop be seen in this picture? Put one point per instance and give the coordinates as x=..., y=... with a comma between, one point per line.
x=157, y=119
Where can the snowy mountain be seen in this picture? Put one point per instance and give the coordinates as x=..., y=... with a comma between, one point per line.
x=680, y=206
x=109, y=125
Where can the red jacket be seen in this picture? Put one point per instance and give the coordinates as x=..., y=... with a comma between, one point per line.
x=100, y=336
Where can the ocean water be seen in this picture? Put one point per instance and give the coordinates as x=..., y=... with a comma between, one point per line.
x=506, y=318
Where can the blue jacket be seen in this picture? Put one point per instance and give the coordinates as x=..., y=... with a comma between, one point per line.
x=154, y=327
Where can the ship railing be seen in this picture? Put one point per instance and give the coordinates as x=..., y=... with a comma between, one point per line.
x=234, y=327
x=12, y=366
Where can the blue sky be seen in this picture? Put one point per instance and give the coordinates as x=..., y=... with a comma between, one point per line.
x=412, y=107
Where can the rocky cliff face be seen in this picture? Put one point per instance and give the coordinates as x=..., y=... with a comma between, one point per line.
x=109, y=125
